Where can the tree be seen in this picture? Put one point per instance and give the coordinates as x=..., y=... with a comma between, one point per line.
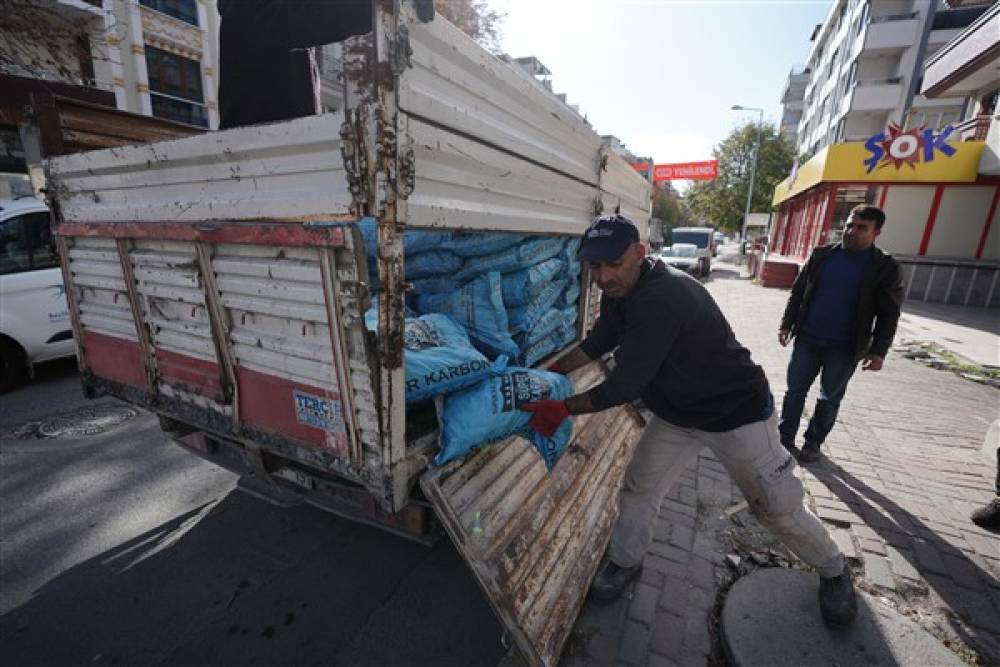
x=668, y=208
x=722, y=202
x=475, y=18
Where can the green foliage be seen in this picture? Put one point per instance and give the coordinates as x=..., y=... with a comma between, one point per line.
x=475, y=18
x=722, y=201
x=667, y=207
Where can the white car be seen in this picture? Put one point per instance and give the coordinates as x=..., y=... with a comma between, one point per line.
x=683, y=256
x=34, y=316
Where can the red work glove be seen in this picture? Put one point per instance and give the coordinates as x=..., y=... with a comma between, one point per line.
x=546, y=416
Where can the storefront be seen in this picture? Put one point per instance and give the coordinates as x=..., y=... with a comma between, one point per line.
x=941, y=213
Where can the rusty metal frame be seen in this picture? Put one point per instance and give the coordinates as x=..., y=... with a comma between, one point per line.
x=72, y=300
x=383, y=164
x=220, y=330
x=142, y=333
x=331, y=292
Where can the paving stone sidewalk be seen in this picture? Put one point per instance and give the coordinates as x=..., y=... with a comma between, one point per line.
x=903, y=469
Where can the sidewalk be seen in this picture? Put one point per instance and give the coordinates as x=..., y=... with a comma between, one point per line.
x=903, y=471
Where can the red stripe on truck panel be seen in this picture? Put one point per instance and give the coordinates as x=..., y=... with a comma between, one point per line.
x=269, y=403
x=197, y=376
x=114, y=359
x=254, y=233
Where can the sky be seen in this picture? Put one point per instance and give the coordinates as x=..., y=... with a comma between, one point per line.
x=661, y=75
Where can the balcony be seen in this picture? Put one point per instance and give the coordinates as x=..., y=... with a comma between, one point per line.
x=895, y=32
x=974, y=129
x=877, y=94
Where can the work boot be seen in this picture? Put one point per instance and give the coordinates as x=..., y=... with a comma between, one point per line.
x=810, y=452
x=611, y=580
x=988, y=516
x=790, y=446
x=838, y=603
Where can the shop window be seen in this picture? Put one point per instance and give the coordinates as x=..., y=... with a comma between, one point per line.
x=175, y=87
x=847, y=198
x=184, y=10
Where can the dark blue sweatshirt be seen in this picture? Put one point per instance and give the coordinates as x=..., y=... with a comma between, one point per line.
x=834, y=304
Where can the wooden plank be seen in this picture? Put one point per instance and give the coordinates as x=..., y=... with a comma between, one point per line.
x=538, y=537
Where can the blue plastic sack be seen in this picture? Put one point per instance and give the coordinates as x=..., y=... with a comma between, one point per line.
x=548, y=345
x=522, y=256
x=432, y=263
x=477, y=244
x=547, y=323
x=520, y=287
x=478, y=306
x=539, y=350
x=524, y=318
x=490, y=411
x=371, y=315
x=435, y=285
x=414, y=240
x=439, y=358
x=569, y=296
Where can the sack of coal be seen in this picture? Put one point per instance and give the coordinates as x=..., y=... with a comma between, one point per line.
x=477, y=306
x=491, y=410
x=521, y=287
x=524, y=318
x=439, y=358
x=477, y=244
x=521, y=256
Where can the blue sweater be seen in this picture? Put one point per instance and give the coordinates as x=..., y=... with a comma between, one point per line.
x=834, y=305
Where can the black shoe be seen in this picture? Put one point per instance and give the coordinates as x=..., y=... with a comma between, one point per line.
x=611, y=580
x=809, y=453
x=838, y=603
x=790, y=446
x=988, y=516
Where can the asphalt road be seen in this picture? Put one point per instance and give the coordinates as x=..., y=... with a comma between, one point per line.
x=122, y=548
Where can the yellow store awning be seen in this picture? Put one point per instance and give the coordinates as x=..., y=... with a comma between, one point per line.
x=845, y=163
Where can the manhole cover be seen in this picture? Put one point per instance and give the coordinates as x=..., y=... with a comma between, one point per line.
x=86, y=421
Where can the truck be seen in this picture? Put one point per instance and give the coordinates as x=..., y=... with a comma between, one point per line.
x=703, y=238
x=217, y=279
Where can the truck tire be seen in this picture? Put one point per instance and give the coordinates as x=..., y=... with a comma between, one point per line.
x=13, y=364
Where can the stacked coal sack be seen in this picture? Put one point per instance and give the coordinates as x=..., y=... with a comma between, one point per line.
x=485, y=308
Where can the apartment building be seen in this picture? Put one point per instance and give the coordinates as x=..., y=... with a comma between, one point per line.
x=158, y=57
x=864, y=71
x=793, y=102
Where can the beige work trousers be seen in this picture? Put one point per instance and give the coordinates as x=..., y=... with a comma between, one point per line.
x=758, y=463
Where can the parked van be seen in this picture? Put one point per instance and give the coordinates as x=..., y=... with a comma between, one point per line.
x=34, y=318
x=702, y=237
x=222, y=282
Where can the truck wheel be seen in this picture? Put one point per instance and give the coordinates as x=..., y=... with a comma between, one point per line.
x=13, y=366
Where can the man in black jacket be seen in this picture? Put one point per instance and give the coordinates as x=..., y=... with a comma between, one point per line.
x=843, y=309
x=674, y=350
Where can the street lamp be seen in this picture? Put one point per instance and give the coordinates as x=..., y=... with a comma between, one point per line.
x=753, y=170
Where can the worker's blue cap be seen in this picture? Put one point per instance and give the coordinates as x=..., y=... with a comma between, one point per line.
x=608, y=238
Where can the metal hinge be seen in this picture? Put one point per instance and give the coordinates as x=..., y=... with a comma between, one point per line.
x=598, y=206
x=355, y=163
x=400, y=51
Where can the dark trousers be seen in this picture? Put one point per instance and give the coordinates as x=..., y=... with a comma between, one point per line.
x=834, y=362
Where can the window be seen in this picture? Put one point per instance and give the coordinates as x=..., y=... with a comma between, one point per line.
x=26, y=244
x=175, y=87
x=184, y=10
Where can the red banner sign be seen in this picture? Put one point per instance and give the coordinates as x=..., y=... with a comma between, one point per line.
x=681, y=171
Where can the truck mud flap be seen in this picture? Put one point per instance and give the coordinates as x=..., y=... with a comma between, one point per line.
x=534, y=538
